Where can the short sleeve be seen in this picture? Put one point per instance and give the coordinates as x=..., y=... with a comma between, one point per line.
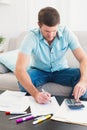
x=28, y=43
x=73, y=42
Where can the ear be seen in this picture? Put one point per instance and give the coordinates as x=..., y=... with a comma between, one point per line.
x=39, y=24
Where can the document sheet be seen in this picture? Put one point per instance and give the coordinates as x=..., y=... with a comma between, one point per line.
x=78, y=116
x=16, y=101
x=13, y=101
x=43, y=109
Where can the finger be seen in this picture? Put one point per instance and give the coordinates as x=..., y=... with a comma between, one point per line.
x=46, y=97
x=76, y=93
x=82, y=91
x=48, y=94
x=78, y=96
x=79, y=93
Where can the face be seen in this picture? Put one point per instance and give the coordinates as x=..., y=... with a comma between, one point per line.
x=49, y=33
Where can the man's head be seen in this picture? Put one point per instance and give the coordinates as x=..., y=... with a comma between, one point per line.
x=48, y=21
x=48, y=16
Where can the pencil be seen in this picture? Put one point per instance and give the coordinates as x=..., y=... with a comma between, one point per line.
x=15, y=117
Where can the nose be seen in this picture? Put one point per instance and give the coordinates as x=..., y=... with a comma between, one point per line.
x=51, y=34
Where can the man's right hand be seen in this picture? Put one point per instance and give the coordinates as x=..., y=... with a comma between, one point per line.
x=43, y=97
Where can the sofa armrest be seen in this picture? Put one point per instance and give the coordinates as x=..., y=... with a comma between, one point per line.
x=10, y=45
x=14, y=43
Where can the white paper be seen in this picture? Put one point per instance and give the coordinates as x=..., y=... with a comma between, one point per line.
x=13, y=101
x=42, y=109
x=74, y=116
x=13, y=93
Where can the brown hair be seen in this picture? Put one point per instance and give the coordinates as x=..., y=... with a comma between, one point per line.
x=49, y=16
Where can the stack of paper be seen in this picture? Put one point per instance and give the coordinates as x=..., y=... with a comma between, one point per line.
x=17, y=101
x=13, y=101
x=65, y=114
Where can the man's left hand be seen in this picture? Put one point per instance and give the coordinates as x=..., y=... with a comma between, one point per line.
x=79, y=90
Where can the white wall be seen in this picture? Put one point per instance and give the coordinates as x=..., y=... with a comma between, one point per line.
x=13, y=18
x=21, y=15
x=78, y=15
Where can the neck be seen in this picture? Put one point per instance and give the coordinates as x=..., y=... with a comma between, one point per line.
x=50, y=42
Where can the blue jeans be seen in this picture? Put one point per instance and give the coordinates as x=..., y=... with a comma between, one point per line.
x=66, y=77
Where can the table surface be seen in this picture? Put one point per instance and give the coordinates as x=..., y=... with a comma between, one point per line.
x=6, y=124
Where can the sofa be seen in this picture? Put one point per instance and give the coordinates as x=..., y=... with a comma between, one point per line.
x=8, y=80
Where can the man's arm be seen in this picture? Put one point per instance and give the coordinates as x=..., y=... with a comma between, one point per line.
x=81, y=86
x=24, y=79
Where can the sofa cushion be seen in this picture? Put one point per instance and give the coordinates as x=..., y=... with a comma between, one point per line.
x=8, y=81
x=8, y=59
x=3, y=69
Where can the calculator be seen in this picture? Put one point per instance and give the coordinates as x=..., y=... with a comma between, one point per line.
x=73, y=104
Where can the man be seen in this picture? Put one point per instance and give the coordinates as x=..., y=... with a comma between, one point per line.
x=47, y=46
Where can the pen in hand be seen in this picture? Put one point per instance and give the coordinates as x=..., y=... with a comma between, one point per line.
x=46, y=93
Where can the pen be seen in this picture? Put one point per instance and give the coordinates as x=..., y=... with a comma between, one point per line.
x=42, y=119
x=14, y=113
x=45, y=92
x=19, y=116
x=25, y=119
